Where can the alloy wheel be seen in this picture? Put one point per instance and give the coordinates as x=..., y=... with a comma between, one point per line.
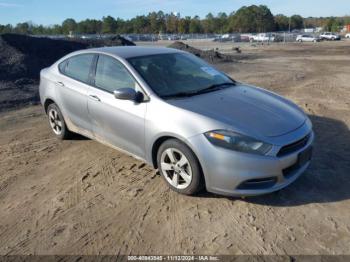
x=55, y=121
x=176, y=168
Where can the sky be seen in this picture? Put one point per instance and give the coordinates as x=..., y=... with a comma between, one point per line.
x=48, y=12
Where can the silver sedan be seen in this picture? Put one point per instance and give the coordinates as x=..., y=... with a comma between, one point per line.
x=307, y=38
x=169, y=108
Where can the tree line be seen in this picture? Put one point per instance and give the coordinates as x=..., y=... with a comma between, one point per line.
x=248, y=19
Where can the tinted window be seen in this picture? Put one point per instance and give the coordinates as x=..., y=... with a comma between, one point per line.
x=112, y=75
x=78, y=67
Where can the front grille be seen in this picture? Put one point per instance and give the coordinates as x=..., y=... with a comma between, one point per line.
x=303, y=159
x=254, y=184
x=294, y=146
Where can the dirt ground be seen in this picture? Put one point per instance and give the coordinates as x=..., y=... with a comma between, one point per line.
x=80, y=197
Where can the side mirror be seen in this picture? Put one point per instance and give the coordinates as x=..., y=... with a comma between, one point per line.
x=128, y=94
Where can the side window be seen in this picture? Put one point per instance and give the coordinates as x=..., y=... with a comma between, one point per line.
x=78, y=67
x=112, y=75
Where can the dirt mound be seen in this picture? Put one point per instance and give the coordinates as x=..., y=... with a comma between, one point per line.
x=210, y=56
x=109, y=41
x=22, y=57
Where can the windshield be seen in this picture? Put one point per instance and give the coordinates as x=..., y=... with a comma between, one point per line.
x=178, y=74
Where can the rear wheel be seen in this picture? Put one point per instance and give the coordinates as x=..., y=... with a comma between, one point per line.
x=57, y=123
x=180, y=167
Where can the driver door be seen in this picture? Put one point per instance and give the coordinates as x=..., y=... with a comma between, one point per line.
x=117, y=122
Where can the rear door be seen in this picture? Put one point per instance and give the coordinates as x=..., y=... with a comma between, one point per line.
x=118, y=122
x=72, y=90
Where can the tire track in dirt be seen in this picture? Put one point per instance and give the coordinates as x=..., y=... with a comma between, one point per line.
x=80, y=197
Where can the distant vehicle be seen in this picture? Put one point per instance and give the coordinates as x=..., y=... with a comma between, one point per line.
x=183, y=37
x=330, y=36
x=228, y=38
x=146, y=38
x=307, y=38
x=171, y=109
x=263, y=37
x=222, y=38
x=128, y=38
x=173, y=37
x=163, y=37
x=87, y=37
x=347, y=35
x=245, y=38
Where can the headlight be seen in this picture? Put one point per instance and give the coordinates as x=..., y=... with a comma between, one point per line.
x=237, y=142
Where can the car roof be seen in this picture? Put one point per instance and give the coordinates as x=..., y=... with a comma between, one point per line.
x=134, y=51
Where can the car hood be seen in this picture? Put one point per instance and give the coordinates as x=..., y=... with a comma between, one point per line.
x=247, y=109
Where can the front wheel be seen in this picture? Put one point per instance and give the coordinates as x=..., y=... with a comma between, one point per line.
x=179, y=167
x=57, y=123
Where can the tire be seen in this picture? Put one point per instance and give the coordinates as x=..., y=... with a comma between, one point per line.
x=300, y=40
x=57, y=123
x=180, y=167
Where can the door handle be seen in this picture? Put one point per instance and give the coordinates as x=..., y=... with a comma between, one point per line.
x=96, y=98
x=60, y=83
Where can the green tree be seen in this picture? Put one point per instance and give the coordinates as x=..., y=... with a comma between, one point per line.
x=69, y=25
x=39, y=30
x=282, y=22
x=23, y=28
x=209, y=23
x=4, y=29
x=221, y=23
x=153, y=23
x=184, y=25
x=332, y=24
x=171, y=23
x=195, y=25
x=296, y=22
x=140, y=24
x=109, y=25
x=56, y=30
x=252, y=19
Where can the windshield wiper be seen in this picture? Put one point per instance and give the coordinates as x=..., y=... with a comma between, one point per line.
x=215, y=87
x=201, y=91
x=180, y=94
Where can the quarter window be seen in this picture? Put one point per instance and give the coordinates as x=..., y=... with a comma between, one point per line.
x=112, y=75
x=62, y=66
x=78, y=67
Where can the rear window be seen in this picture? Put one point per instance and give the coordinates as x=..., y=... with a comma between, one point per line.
x=78, y=67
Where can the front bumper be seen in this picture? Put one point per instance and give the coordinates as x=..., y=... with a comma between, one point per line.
x=228, y=172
